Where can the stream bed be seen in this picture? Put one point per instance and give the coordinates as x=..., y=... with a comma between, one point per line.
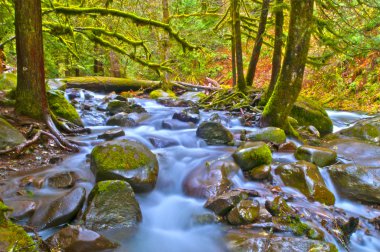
x=173, y=221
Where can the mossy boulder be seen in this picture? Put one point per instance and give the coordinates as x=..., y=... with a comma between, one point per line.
x=367, y=129
x=125, y=160
x=317, y=155
x=8, y=81
x=214, y=133
x=121, y=119
x=252, y=155
x=306, y=177
x=62, y=107
x=117, y=106
x=308, y=112
x=245, y=212
x=357, y=182
x=260, y=172
x=112, y=205
x=12, y=236
x=159, y=93
x=222, y=204
x=268, y=134
x=79, y=239
x=9, y=136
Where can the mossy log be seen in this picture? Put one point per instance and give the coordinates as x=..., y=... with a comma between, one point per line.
x=108, y=84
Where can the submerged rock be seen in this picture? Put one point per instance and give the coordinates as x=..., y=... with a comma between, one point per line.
x=63, y=180
x=245, y=212
x=173, y=124
x=9, y=136
x=121, y=119
x=112, y=204
x=188, y=115
x=366, y=129
x=306, y=177
x=316, y=155
x=210, y=180
x=79, y=239
x=160, y=142
x=21, y=208
x=125, y=160
x=268, y=134
x=214, y=133
x=253, y=154
x=60, y=211
x=357, y=182
x=111, y=134
x=93, y=118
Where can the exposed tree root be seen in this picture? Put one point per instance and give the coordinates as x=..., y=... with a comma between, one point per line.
x=63, y=140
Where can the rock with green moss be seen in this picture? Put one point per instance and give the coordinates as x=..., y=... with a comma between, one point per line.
x=192, y=96
x=8, y=81
x=159, y=93
x=306, y=177
x=367, y=129
x=9, y=136
x=253, y=154
x=261, y=172
x=245, y=212
x=308, y=112
x=112, y=205
x=121, y=119
x=116, y=106
x=62, y=107
x=12, y=236
x=357, y=182
x=222, y=204
x=268, y=134
x=214, y=133
x=125, y=160
x=316, y=155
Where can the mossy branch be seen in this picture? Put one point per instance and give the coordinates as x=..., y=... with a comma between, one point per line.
x=134, y=18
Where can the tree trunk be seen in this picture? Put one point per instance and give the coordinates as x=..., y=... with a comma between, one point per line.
x=241, y=85
x=258, y=43
x=165, y=38
x=31, y=92
x=98, y=65
x=2, y=60
x=277, y=51
x=290, y=80
x=115, y=65
x=233, y=51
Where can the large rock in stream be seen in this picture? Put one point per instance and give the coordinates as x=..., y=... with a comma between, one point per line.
x=79, y=239
x=357, y=182
x=214, y=133
x=366, y=129
x=60, y=211
x=268, y=134
x=117, y=106
x=316, y=155
x=252, y=154
x=306, y=177
x=125, y=160
x=9, y=136
x=112, y=205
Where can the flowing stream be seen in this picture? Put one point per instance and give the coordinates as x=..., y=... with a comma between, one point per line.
x=170, y=218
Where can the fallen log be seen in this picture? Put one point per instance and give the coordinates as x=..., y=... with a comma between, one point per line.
x=192, y=86
x=108, y=84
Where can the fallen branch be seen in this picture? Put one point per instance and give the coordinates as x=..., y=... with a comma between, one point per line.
x=195, y=86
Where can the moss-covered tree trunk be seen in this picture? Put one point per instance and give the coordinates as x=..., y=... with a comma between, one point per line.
x=241, y=85
x=31, y=92
x=165, y=43
x=277, y=51
x=233, y=51
x=258, y=43
x=2, y=60
x=290, y=80
x=115, y=65
x=98, y=64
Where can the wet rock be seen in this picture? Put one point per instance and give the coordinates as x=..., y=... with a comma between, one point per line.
x=222, y=204
x=313, y=131
x=62, y=107
x=93, y=118
x=9, y=136
x=261, y=172
x=192, y=96
x=306, y=177
x=279, y=207
x=111, y=134
x=287, y=147
x=308, y=112
x=55, y=160
x=376, y=222
x=63, y=180
x=245, y=212
x=366, y=129
x=268, y=134
x=188, y=115
x=125, y=160
x=121, y=119
x=357, y=182
x=116, y=106
x=316, y=155
x=112, y=205
x=138, y=117
x=170, y=102
x=36, y=182
x=214, y=133
x=159, y=93
x=173, y=124
x=159, y=142
x=60, y=211
x=210, y=179
x=21, y=208
x=79, y=239
x=252, y=155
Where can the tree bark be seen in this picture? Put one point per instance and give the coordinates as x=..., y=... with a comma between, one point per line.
x=277, y=51
x=258, y=43
x=290, y=80
x=241, y=85
x=115, y=65
x=98, y=65
x=2, y=60
x=30, y=92
x=233, y=50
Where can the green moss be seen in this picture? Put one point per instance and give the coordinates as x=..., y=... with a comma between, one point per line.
x=8, y=81
x=269, y=134
x=62, y=107
x=159, y=93
x=110, y=185
x=251, y=157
